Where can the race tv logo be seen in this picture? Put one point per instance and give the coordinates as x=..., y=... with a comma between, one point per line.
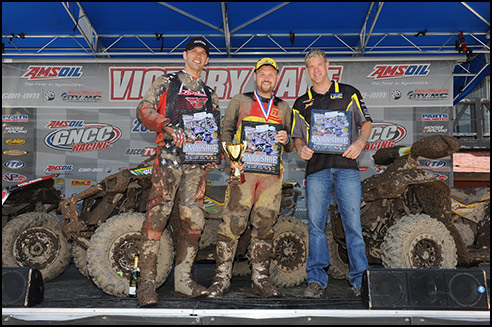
x=52, y=72
x=77, y=136
x=398, y=71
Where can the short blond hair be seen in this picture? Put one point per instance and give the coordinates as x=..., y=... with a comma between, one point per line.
x=315, y=53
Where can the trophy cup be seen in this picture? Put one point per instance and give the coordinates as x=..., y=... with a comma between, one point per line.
x=235, y=153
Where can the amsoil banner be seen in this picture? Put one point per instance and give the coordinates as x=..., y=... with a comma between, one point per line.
x=79, y=120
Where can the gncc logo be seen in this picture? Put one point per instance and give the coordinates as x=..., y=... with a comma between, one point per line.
x=91, y=137
x=385, y=135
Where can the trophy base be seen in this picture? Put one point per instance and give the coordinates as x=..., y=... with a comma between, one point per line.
x=237, y=179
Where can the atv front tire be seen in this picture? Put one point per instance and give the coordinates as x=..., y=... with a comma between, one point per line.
x=111, y=251
x=35, y=239
x=290, y=250
x=418, y=241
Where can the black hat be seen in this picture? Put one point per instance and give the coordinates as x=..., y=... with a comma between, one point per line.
x=198, y=42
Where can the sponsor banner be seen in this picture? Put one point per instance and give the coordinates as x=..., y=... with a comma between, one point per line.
x=79, y=119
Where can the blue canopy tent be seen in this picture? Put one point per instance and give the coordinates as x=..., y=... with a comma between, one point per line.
x=252, y=29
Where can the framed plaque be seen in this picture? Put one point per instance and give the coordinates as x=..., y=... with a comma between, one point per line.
x=202, y=137
x=262, y=154
x=331, y=131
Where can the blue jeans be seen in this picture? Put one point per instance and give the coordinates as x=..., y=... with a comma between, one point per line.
x=348, y=197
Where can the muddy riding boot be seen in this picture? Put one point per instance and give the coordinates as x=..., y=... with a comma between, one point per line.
x=221, y=283
x=146, y=293
x=184, y=285
x=261, y=252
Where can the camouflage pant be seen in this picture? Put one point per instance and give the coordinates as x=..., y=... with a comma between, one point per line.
x=168, y=177
x=261, y=194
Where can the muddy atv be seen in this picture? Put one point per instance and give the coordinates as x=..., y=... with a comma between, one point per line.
x=31, y=232
x=104, y=222
x=410, y=218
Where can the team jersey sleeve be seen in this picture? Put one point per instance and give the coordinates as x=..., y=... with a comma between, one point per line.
x=300, y=127
x=287, y=120
x=358, y=108
x=148, y=109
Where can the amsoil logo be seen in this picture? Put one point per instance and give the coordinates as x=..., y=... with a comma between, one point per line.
x=60, y=168
x=385, y=135
x=91, y=137
x=398, y=71
x=52, y=72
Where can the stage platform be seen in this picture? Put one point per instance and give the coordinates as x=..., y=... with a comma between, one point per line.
x=74, y=299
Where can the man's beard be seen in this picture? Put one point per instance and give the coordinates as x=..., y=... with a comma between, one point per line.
x=266, y=87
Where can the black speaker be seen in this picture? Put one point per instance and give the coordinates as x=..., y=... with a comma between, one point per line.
x=21, y=286
x=423, y=289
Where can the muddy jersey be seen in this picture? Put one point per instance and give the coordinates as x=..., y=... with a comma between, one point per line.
x=339, y=97
x=168, y=97
x=245, y=107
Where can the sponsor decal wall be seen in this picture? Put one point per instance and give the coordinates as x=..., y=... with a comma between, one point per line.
x=79, y=119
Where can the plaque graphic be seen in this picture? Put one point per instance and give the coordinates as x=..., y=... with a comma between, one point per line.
x=262, y=154
x=330, y=131
x=202, y=137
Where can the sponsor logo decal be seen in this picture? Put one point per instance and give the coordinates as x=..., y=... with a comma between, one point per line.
x=15, y=118
x=435, y=163
x=14, y=178
x=60, y=168
x=82, y=137
x=80, y=182
x=15, y=141
x=52, y=72
x=435, y=117
x=14, y=164
x=399, y=71
x=385, y=135
x=14, y=130
x=14, y=152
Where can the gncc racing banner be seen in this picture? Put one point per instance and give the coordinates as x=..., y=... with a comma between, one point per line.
x=78, y=119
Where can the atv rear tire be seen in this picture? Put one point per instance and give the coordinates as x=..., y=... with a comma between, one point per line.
x=418, y=241
x=35, y=239
x=290, y=250
x=79, y=255
x=339, y=267
x=111, y=251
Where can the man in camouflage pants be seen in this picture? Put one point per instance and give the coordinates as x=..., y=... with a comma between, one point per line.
x=160, y=111
x=261, y=193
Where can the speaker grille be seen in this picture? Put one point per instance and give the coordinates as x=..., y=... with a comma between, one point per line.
x=12, y=282
x=464, y=289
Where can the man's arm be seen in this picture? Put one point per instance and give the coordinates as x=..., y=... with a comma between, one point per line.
x=356, y=148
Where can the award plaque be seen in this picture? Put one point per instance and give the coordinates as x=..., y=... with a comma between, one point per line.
x=235, y=152
x=330, y=131
x=202, y=137
x=262, y=154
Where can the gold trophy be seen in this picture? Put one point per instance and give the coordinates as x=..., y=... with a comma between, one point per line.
x=235, y=153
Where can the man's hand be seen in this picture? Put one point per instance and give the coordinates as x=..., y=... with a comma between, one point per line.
x=282, y=137
x=239, y=165
x=354, y=149
x=177, y=134
x=305, y=152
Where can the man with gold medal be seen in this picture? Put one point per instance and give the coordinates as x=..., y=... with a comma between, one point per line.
x=264, y=122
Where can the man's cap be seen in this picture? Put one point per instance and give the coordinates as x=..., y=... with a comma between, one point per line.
x=266, y=61
x=198, y=42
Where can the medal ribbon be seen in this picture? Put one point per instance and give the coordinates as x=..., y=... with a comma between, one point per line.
x=266, y=113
